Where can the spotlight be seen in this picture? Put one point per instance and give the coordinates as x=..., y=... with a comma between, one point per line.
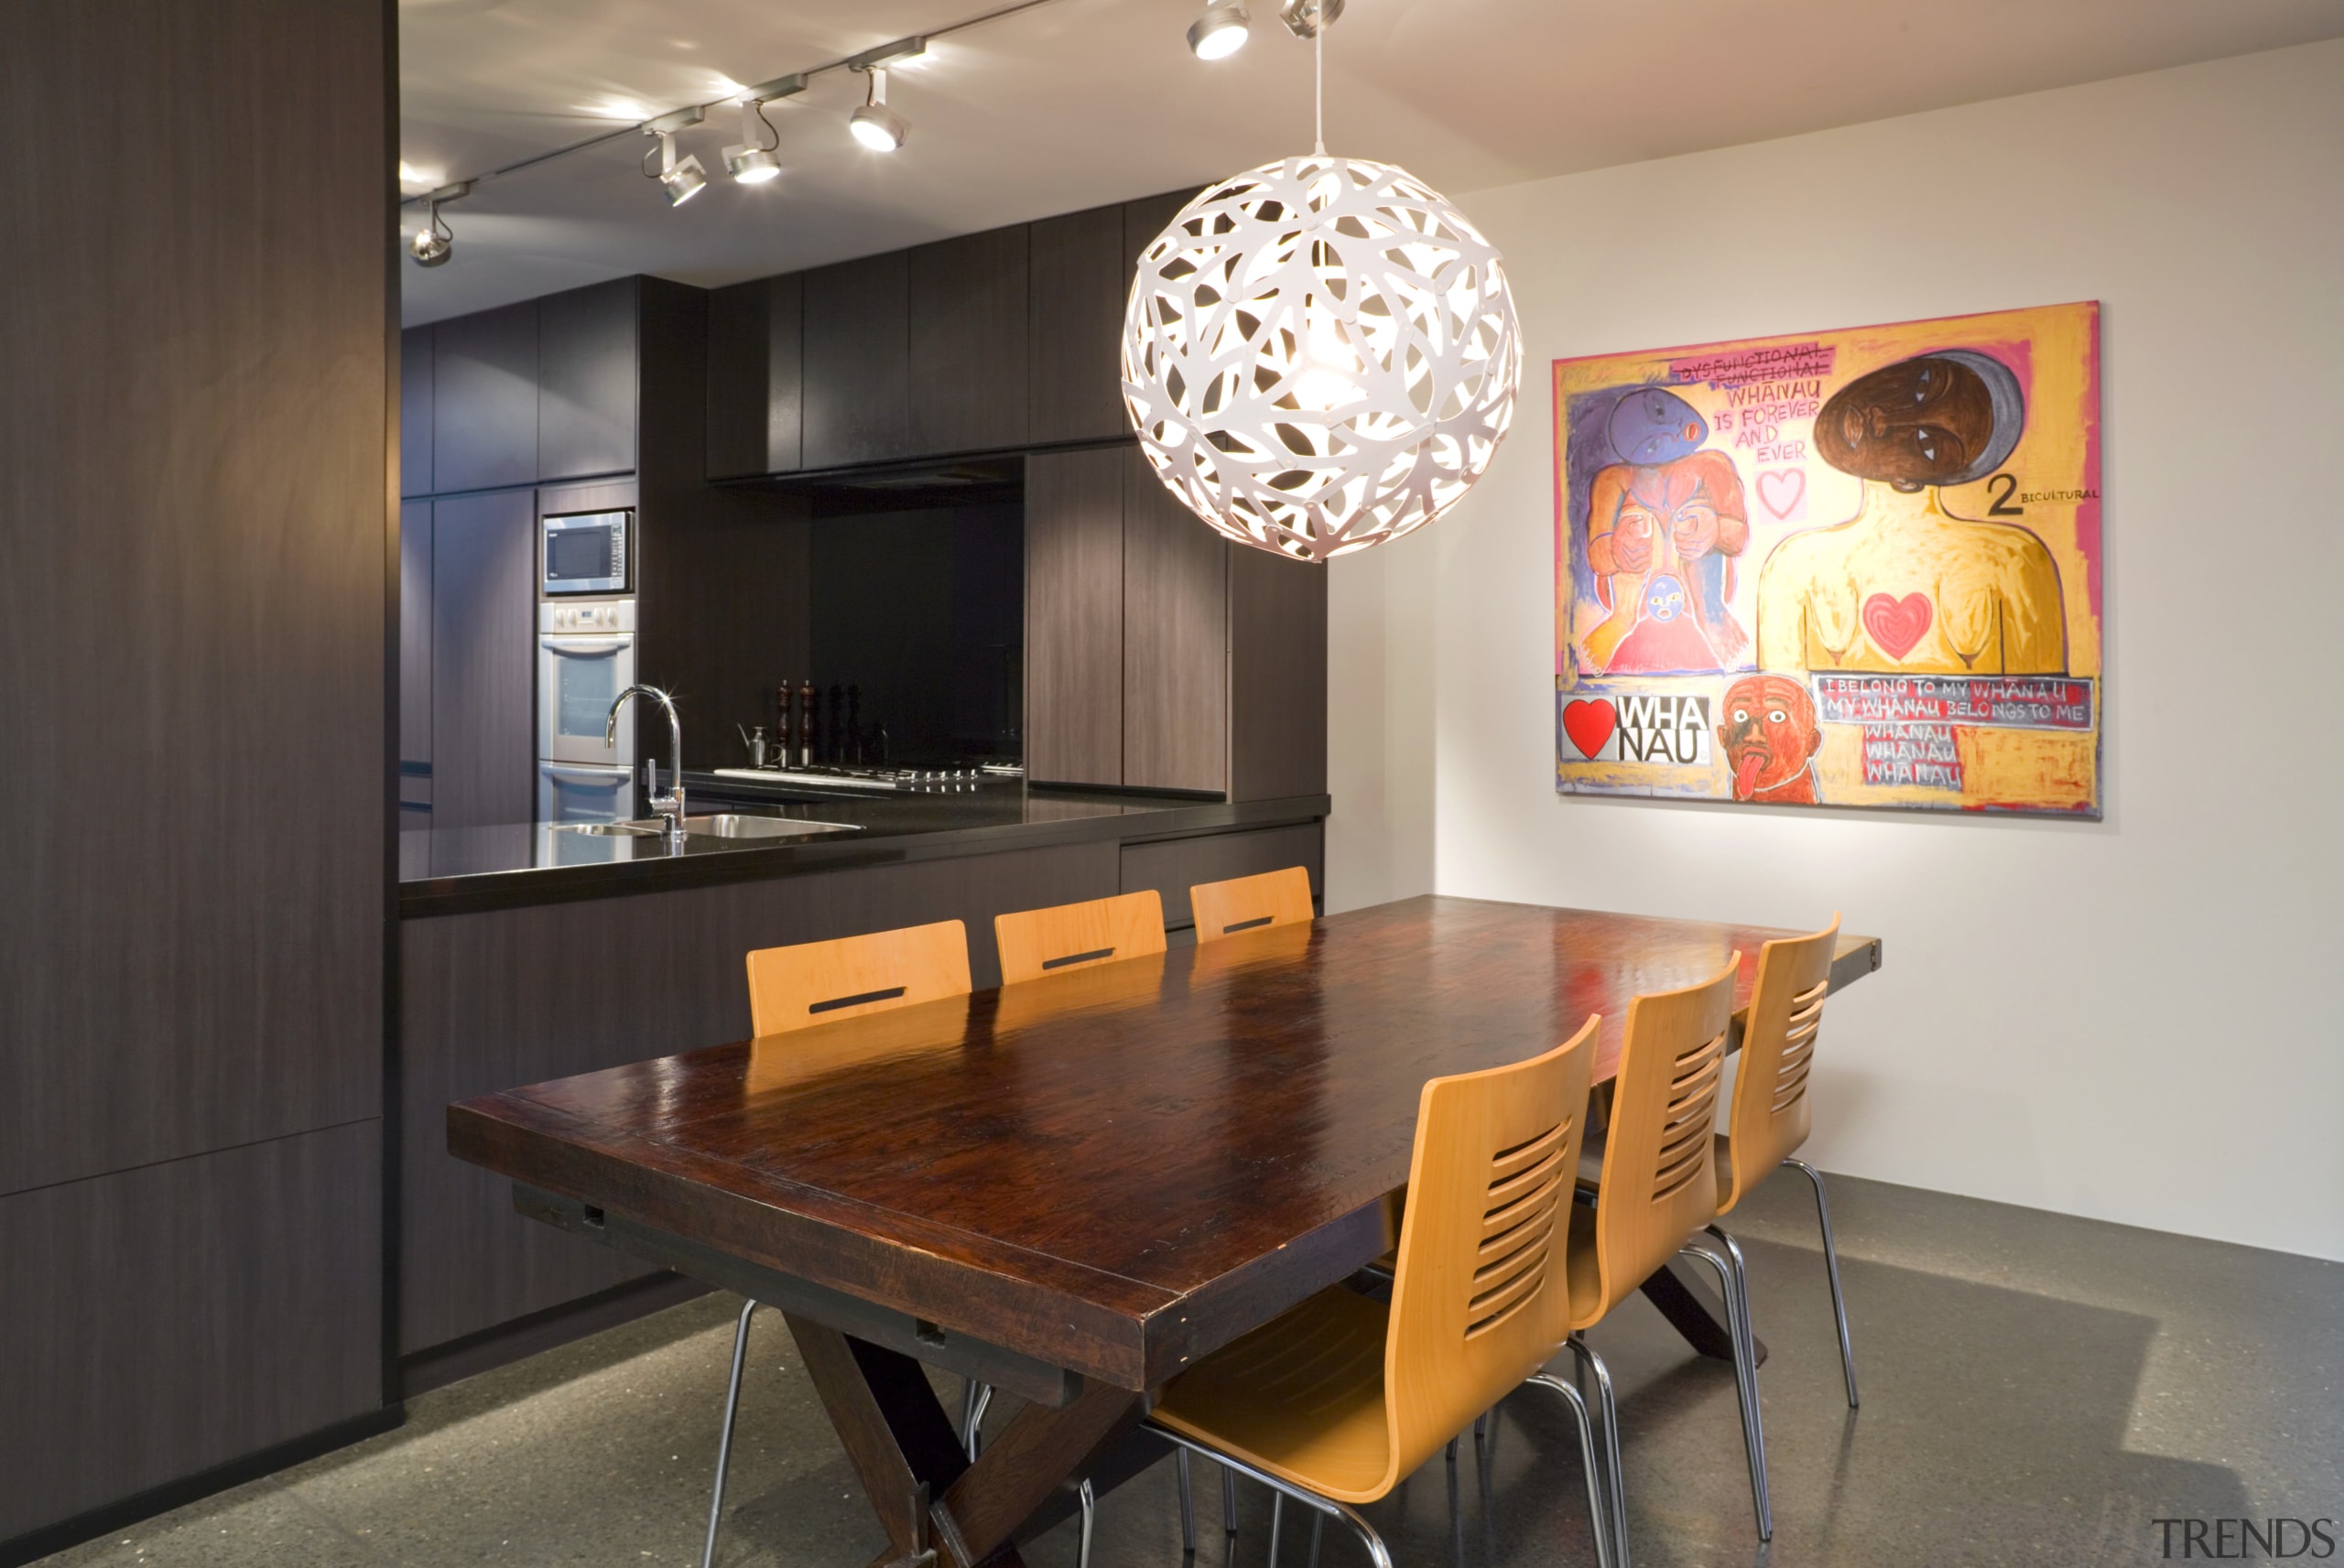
x=753, y=161
x=875, y=125
x=1220, y=31
x=682, y=178
x=435, y=242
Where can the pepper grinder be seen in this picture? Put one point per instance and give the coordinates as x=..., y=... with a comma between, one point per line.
x=785, y=731
x=809, y=699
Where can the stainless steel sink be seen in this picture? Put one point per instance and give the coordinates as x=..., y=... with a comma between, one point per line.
x=732, y=824
x=611, y=829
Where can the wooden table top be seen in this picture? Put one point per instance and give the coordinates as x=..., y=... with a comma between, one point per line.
x=1117, y=1169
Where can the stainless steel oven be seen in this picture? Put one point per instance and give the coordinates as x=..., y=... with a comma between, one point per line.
x=585, y=658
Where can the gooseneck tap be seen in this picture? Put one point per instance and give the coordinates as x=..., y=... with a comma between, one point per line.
x=670, y=805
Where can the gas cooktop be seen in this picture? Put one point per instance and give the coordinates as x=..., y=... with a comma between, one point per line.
x=912, y=781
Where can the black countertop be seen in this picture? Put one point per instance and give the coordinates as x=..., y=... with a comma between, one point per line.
x=457, y=870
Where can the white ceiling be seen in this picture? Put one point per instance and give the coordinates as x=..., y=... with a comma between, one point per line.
x=1081, y=101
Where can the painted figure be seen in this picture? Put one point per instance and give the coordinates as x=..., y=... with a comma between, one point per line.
x=1904, y=586
x=1767, y=735
x=1667, y=639
x=1666, y=509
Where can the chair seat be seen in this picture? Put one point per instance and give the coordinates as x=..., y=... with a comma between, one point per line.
x=1591, y=1167
x=1300, y=1397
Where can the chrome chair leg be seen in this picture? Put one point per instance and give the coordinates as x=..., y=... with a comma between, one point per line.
x=1379, y=1554
x=724, y=1444
x=1089, y=1501
x=1227, y=1500
x=1277, y=1518
x=1745, y=1374
x=972, y=1425
x=1317, y=1523
x=1610, y=1409
x=1188, y=1504
x=1578, y=1401
x=1831, y=1267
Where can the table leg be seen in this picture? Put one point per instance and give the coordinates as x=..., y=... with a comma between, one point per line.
x=938, y=1508
x=1695, y=1312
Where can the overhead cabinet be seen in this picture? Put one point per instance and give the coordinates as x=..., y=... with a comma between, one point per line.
x=1145, y=632
x=756, y=377
x=484, y=399
x=857, y=363
x=586, y=381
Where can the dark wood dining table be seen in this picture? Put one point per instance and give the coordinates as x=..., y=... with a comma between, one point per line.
x=1073, y=1187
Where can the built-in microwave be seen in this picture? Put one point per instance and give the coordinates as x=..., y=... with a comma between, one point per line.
x=584, y=552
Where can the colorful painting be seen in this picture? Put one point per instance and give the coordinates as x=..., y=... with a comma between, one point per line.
x=1850, y=568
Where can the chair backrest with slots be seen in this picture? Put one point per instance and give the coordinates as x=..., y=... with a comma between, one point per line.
x=816, y=983
x=1249, y=903
x=1037, y=941
x=1481, y=1297
x=1771, y=1116
x=1659, y=1184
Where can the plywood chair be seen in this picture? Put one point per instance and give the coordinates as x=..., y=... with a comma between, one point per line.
x=819, y=982
x=1037, y=941
x=1249, y=903
x=1337, y=1402
x=1656, y=1193
x=1771, y=1116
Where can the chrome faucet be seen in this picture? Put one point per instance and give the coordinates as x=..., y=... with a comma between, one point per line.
x=670, y=805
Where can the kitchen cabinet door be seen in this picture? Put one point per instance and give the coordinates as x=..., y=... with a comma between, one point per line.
x=966, y=299
x=484, y=399
x=756, y=376
x=415, y=411
x=1176, y=640
x=857, y=389
x=1079, y=277
x=1277, y=668
x=483, y=639
x=586, y=381
x=1074, y=616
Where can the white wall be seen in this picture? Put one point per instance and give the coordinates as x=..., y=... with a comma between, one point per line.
x=2136, y=1019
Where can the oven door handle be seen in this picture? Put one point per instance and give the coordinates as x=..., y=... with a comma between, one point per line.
x=597, y=649
x=586, y=775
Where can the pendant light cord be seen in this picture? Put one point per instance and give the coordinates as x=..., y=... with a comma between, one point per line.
x=1319, y=71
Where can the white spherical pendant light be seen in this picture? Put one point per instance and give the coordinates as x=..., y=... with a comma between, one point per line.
x=1319, y=356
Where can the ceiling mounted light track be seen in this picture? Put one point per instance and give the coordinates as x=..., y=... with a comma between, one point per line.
x=1321, y=354
x=682, y=178
x=435, y=242
x=1221, y=31
x=751, y=161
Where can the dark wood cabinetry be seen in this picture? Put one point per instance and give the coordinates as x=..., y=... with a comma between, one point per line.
x=415, y=411
x=1074, y=616
x=484, y=399
x=966, y=304
x=857, y=368
x=1176, y=640
x=415, y=658
x=586, y=381
x=484, y=605
x=1077, y=282
x=755, y=377
x=1277, y=676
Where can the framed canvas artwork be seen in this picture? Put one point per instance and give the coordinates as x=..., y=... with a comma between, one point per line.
x=1851, y=568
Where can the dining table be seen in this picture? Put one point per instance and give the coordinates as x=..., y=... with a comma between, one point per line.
x=1073, y=1187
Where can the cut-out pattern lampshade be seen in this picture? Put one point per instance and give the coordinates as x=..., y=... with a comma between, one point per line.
x=1319, y=356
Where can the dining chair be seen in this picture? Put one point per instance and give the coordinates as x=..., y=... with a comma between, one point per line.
x=1339, y=1399
x=1248, y=904
x=1654, y=1194
x=1770, y=1117
x=1037, y=941
x=817, y=982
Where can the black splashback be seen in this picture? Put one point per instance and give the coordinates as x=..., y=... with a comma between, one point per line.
x=924, y=609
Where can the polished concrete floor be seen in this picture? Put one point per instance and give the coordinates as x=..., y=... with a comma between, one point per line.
x=2037, y=1389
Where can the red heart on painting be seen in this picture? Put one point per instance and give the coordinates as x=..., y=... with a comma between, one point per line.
x=1792, y=486
x=1896, y=625
x=1589, y=723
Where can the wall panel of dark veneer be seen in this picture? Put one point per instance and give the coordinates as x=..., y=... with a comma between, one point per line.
x=483, y=645
x=162, y=1320
x=1277, y=676
x=1176, y=640
x=857, y=365
x=966, y=299
x=484, y=399
x=495, y=1000
x=586, y=381
x=195, y=426
x=415, y=411
x=1074, y=616
x=1173, y=866
x=1078, y=276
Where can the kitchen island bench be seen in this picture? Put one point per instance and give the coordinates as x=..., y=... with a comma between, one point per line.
x=528, y=954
